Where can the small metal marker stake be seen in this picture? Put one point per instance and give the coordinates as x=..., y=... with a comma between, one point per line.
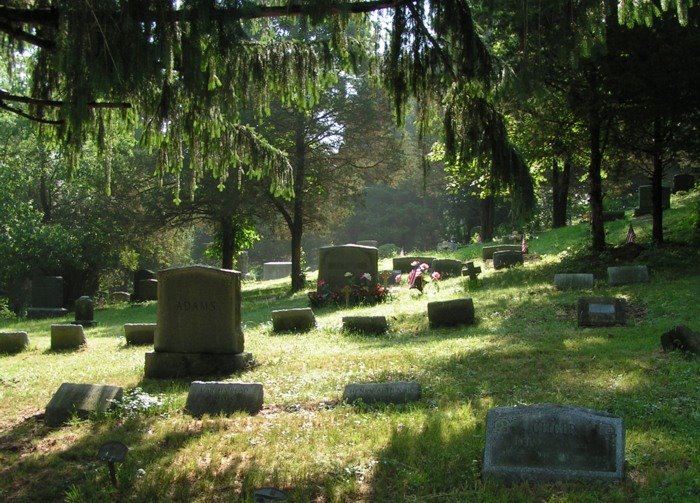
x=112, y=452
x=347, y=291
x=265, y=494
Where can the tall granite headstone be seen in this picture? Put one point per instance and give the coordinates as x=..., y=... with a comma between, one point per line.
x=336, y=261
x=644, y=205
x=139, y=276
x=199, y=324
x=84, y=312
x=683, y=182
x=47, y=298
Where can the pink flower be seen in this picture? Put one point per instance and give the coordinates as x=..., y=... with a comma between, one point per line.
x=397, y=279
x=414, y=263
x=436, y=276
x=321, y=282
x=424, y=267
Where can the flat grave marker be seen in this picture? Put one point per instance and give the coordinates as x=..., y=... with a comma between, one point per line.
x=600, y=312
x=223, y=398
x=628, y=275
x=573, y=281
x=80, y=399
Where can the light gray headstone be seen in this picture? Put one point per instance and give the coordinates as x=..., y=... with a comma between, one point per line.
x=566, y=281
x=276, y=270
x=448, y=313
x=295, y=320
x=628, y=275
x=67, y=336
x=543, y=443
x=334, y=262
x=139, y=333
x=600, y=312
x=224, y=398
x=80, y=399
x=13, y=342
x=383, y=392
x=366, y=324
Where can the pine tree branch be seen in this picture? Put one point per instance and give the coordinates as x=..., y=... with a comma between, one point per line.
x=24, y=36
x=21, y=113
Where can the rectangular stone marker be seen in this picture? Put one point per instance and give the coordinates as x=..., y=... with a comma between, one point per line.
x=276, y=270
x=565, y=281
x=140, y=333
x=383, y=392
x=683, y=182
x=80, y=399
x=628, y=275
x=448, y=268
x=199, y=323
x=366, y=324
x=335, y=261
x=543, y=443
x=504, y=259
x=600, y=312
x=148, y=290
x=13, y=342
x=645, y=200
x=488, y=251
x=224, y=398
x=141, y=275
x=293, y=320
x=403, y=264
x=47, y=298
x=449, y=313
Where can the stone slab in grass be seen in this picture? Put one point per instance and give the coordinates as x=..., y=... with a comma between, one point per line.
x=120, y=296
x=448, y=268
x=366, y=324
x=383, y=392
x=67, y=336
x=449, y=313
x=139, y=333
x=176, y=365
x=488, y=251
x=403, y=264
x=293, y=320
x=573, y=281
x=80, y=399
x=13, y=342
x=224, y=398
x=507, y=258
x=545, y=443
x=681, y=338
x=628, y=275
x=600, y=312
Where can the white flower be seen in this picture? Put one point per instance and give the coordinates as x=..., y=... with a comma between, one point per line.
x=367, y=276
x=348, y=275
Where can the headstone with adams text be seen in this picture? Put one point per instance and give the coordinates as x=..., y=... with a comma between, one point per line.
x=545, y=443
x=199, y=324
x=334, y=262
x=47, y=298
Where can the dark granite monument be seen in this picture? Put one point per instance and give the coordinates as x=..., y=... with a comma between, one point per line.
x=47, y=298
x=448, y=313
x=334, y=262
x=84, y=312
x=644, y=205
x=139, y=276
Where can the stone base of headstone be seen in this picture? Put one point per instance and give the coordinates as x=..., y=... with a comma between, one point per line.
x=571, y=281
x=81, y=400
x=448, y=268
x=600, y=312
x=67, y=336
x=139, y=333
x=403, y=264
x=383, y=392
x=628, y=275
x=448, y=313
x=681, y=338
x=164, y=365
x=120, y=297
x=38, y=313
x=488, y=251
x=507, y=258
x=366, y=324
x=293, y=320
x=13, y=342
x=84, y=323
x=223, y=398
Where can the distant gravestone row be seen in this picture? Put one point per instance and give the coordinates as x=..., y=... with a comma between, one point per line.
x=617, y=276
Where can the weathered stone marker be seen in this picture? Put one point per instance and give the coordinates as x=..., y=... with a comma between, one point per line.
x=448, y=268
x=148, y=289
x=488, y=251
x=47, y=298
x=383, y=392
x=199, y=324
x=403, y=264
x=293, y=320
x=572, y=281
x=120, y=297
x=471, y=271
x=141, y=275
x=84, y=312
x=366, y=324
x=335, y=261
x=628, y=275
x=67, y=336
x=507, y=258
x=224, y=398
x=80, y=399
x=600, y=312
x=13, y=342
x=543, y=443
x=683, y=182
x=276, y=270
x=140, y=333
x=681, y=338
x=448, y=313
x=645, y=204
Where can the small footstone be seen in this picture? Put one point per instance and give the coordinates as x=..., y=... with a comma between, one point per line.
x=600, y=312
x=628, y=275
x=139, y=333
x=366, y=324
x=681, y=338
x=507, y=258
x=451, y=312
x=566, y=281
x=224, y=398
x=67, y=336
x=384, y=392
x=80, y=399
x=293, y=320
x=13, y=342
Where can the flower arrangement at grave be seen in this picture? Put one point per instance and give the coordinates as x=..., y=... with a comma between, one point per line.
x=420, y=276
x=358, y=289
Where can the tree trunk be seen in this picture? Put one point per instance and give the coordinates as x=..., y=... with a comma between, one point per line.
x=297, y=224
x=657, y=210
x=488, y=210
x=560, y=192
x=228, y=242
x=595, y=196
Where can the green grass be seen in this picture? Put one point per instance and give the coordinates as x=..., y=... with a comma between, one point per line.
x=524, y=349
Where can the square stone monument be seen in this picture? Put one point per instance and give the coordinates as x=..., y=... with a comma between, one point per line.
x=199, y=324
x=600, y=312
x=335, y=261
x=139, y=276
x=47, y=298
x=644, y=205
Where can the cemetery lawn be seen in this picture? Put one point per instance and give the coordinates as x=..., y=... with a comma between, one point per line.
x=525, y=348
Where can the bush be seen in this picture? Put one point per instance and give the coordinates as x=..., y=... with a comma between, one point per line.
x=388, y=250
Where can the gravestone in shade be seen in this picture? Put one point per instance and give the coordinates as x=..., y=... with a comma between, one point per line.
x=644, y=204
x=242, y=263
x=681, y=338
x=84, y=312
x=600, y=312
x=366, y=324
x=504, y=259
x=335, y=261
x=403, y=264
x=140, y=333
x=543, y=443
x=148, y=290
x=572, y=281
x=276, y=270
x=683, y=182
x=199, y=324
x=120, y=296
x=471, y=271
x=488, y=251
x=81, y=400
x=449, y=313
x=448, y=268
x=383, y=392
x=368, y=242
x=628, y=275
x=67, y=336
x=293, y=320
x=141, y=275
x=13, y=342
x=47, y=298
x=224, y=398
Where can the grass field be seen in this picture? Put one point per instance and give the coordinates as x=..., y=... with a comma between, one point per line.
x=524, y=349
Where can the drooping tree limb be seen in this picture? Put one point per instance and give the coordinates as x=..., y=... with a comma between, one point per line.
x=22, y=113
x=24, y=36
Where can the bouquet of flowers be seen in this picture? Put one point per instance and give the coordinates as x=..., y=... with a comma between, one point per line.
x=420, y=276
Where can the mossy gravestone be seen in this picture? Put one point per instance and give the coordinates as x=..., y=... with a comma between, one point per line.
x=543, y=443
x=67, y=336
x=382, y=392
x=448, y=313
x=366, y=324
x=84, y=312
x=506, y=258
x=276, y=270
x=448, y=268
x=334, y=262
x=199, y=324
x=13, y=342
x=405, y=264
x=140, y=333
x=80, y=399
